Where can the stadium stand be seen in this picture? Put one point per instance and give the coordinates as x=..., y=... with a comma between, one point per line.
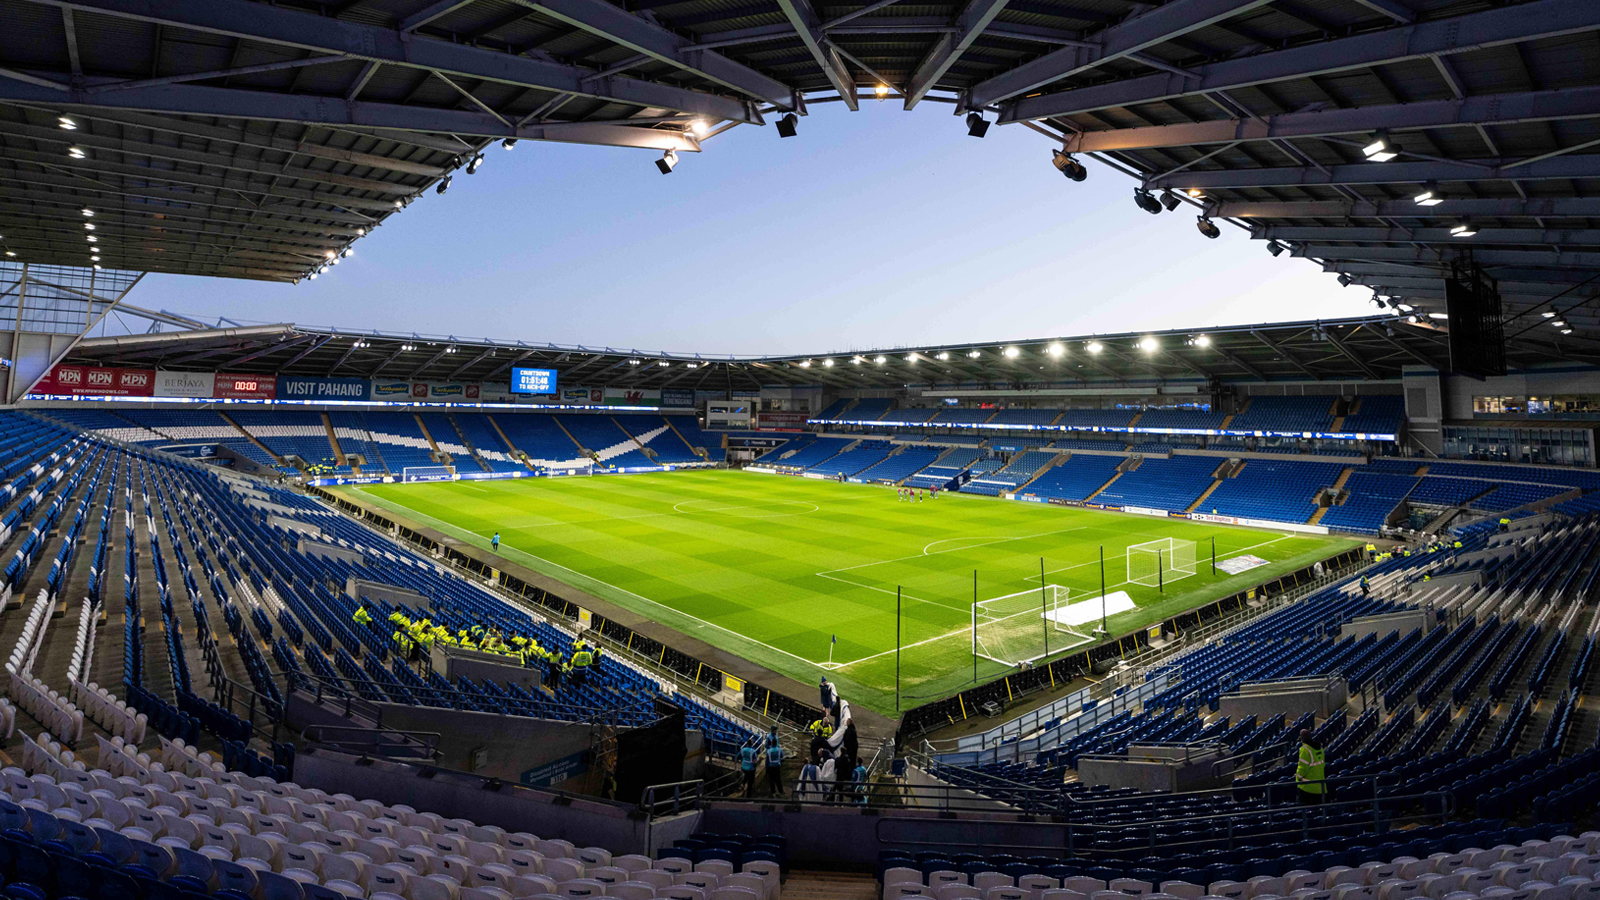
x=1024, y=416
x=1096, y=418
x=1075, y=479
x=803, y=452
x=951, y=416
x=869, y=409
x=689, y=428
x=1180, y=418
x=835, y=409
x=1371, y=496
x=662, y=443
x=851, y=462
x=193, y=425
x=602, y=436
x=1170, y=484
x=1285, y=414
x=544, y=441
x=949, y=466
x=1376, y=414
x=290, y=433
x=1277, y=490
x=1089, y=444
x=478, y=432
x=1432, y=491
x=109, y=424
x=350, y=429
x=900, y=466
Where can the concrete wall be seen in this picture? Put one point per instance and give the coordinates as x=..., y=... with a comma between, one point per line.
x=495, y=746
x=1403, y=622
x=282, y=522
x=1292, y=700
x=377, y=590
x=1425, y=406
x=455, y=663
x=333, y=551
x=587, y=822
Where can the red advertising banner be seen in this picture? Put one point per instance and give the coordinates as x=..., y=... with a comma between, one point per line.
x=786, y=421
x=77, y=381
x=246, y=387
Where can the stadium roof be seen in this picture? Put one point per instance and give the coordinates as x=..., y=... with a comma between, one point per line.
x=1373, y=348
x=251, y=139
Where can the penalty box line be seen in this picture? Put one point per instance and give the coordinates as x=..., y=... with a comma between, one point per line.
x=1230, y=554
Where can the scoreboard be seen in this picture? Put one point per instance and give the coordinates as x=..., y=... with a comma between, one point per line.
x=533, y=381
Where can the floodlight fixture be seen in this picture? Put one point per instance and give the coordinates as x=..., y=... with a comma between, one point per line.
x=698, y=127
x=1208, y=227
x=1563, y=331
x=1344, y=280
x=973, y=354
x=788, y=126
x=667, y=161
x=77, y=153
x=508, y=143
x=444, y=184
x=1202, y=340
x=911, y=358
x=1195, y=193
x=882, y=91
x=93, y=239
x=347, y=252
x=1381, y=149
x=88, y=213
x=1146, y=201
x=857, y=360
x=11, y=253
x=474, y=163
x=1275, y=248
x=1012, y=353
x=1548, y=314
x=1149, y=344
x=1464, y=228
x=881, y=360
x=1068, y=166
x=977, y=125
x=1170, y=200
x=67, y=123
x=1559, y=323
x=805, y=363
x=1093, y=347
x=944, y=355
x=1430, y=195
x=827, y=363
x=1056, y=349
x=88, y=226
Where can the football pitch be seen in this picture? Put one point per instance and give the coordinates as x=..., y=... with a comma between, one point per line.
x=801, y=575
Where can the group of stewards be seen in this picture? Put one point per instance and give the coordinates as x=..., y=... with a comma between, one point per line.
x=833, y=771
x=415, y=637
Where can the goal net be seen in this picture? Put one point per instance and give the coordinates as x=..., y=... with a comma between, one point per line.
x=1154, y=563
x=428, y=473
x=1017, y=628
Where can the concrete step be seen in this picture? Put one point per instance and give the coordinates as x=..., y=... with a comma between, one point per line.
x=815, y=885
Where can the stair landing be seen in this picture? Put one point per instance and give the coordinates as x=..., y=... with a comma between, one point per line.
x=811, y=885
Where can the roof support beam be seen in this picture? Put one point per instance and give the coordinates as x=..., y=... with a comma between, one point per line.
x=1562, y=237
x=1289, y=357
x=1573, y=207
x=1232, y=357
x=1333, y=338
x=1474, y=31
x=430, y=12
x=307, y=352
x=1488, y=109
x=1171, y=20
x=312, y=110
x=1434, y=256
x=808, y=25
x=1561, y=167
x=218, y=73
x=949, y=47
x=607, y=20
x=324, y=34
x=1394, y=9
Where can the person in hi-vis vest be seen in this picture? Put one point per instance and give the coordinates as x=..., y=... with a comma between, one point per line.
x=1311, y=769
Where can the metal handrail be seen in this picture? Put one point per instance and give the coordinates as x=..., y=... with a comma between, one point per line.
x=425, y=741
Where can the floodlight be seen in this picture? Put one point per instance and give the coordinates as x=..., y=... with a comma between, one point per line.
x=1012, y=353
x=882, y=91
x=1208, y=227
x=444, y=184
x=1559, y=323
x=312, y=276
x=788, y=125
x=322, y=270
x=881, y=360
x=1146, y=201
x=1464, y=228
x=667, y=161
x=88, y=213
x=94, y=259
x=1149, y=344
x=77, y=153
x=89, y=226
x=1563, y=331
x=1430, y=195
x=508, y=143
x=944, y=354
x=93, y=239
x=329, y=254
x=347, y=252
x=1170, y=200
x=67, y=123
x=698, y=127
x=827, y=364
x=1404, y=307
x=474, y=163
x=1056, y=349
x=973, y=354
x=1069, y=167
x=1377, y=300
x=805, y=363
x=11, y=253
x=1093, y=347
x=977, y=126
x=1344, y=280
x=1195, y=193
x=1275, y=248
x=1202, y=340
x=1438, y=315
x=857, y=360
x=97, y=268
x=361, y=231
x=911, y=358
x=1548, y=314
x=1381, y=149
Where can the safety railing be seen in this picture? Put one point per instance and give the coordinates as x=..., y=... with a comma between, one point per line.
x=385, y=743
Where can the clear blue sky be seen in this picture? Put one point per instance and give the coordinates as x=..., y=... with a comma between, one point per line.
x=879, y=228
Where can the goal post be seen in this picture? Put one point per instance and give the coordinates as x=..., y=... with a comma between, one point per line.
x=428, y=473
x=1017, y=628
x=1154, y=563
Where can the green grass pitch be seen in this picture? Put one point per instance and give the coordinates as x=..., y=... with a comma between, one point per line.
x=771, y=568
